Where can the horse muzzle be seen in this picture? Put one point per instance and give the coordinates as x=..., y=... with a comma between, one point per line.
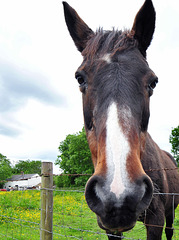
x=115, y=213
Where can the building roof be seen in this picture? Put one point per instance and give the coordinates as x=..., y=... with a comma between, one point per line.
x=21, y=177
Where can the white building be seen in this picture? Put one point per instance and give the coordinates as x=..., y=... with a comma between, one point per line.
x=23, y=181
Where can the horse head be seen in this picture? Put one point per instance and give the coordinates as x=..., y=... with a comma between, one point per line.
x=116, y=84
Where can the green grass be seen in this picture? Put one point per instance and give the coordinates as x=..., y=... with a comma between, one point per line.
x=20, y=218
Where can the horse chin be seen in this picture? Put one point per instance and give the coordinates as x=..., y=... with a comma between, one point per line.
x=114, y=227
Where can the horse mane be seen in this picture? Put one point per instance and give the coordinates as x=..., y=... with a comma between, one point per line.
x=103, y=42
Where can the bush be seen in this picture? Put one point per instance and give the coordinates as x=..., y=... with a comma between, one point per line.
x=63, y=181
x=74, y=158
x=81, y=181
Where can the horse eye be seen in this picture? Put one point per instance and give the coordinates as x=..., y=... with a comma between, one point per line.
x=153, y=84
x=80, y=79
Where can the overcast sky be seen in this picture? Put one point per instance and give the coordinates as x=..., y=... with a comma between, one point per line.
x=39, y=98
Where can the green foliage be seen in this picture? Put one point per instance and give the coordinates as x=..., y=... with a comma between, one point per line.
x=62, y=181
x=74, y=158
x=174, y=140
x=5, y=169
x=27, y=167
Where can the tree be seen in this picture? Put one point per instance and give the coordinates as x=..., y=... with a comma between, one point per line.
x=5, y=169
x=27, y=167
x=174, y=140
x=74, y=158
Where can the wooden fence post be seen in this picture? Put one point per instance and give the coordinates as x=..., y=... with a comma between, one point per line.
x=46, y=229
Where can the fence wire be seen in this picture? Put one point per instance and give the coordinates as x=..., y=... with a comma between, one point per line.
x=20, y=213
x=72, y=219
x=93, y=231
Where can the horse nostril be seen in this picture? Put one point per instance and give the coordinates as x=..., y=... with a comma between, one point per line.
x=93, y=201
x=147, y=197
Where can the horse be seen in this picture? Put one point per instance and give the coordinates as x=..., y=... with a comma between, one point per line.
x=133, y=178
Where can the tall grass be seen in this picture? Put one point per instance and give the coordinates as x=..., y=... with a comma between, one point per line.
x=20, y=217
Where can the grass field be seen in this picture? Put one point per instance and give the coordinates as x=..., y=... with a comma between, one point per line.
x=72, y=219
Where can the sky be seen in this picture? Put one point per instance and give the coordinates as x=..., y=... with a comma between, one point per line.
x=40, y=103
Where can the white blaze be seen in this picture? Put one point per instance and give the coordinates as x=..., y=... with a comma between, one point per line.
x=106, y=58
x=117, y=150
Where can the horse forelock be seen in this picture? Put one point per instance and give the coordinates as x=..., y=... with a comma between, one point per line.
x=105, y=42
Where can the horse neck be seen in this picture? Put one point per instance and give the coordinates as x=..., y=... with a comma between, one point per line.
x=151, y=158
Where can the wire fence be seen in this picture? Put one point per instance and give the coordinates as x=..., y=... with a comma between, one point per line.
x=21, y=216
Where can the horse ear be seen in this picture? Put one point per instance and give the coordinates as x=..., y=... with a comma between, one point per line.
x=144, y=26
x=78, y=29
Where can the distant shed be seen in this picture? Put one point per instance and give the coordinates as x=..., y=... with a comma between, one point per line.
x=23, y=181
